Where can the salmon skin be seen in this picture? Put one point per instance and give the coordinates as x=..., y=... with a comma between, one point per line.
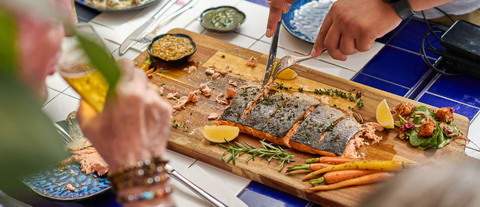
x=284, y=119
x=239, y=104
x=264, y=109
x=336, y=141
x=298, y=121
x=310, y=132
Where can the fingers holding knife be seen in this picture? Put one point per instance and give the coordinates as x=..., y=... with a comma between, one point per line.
x=277, y=7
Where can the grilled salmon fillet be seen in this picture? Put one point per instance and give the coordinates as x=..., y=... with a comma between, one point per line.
x=298, y=121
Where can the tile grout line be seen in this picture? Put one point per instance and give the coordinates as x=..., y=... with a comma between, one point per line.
x=50, y=100
x=446, y=98
x=412, y=52
x=398, y=31
x=425, y=89
x=396, y=84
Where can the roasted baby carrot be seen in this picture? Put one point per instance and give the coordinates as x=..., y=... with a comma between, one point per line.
x=364, y=165
x=312, y=167
x=339, y=176
x=146, y=64
x=332, y=160
x=375, y=177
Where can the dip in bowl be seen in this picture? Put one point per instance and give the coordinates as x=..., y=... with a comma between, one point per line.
x=172, y=47
x=222, y=19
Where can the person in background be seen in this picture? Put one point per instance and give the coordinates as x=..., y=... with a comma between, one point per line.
x=132, y=131
x=354, y=25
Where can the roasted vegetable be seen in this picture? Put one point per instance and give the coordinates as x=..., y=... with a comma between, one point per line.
x=375, y=177
x=332, y=160
x=365, y=165
x=339, y=176
x=312, y=167
x=146, y=64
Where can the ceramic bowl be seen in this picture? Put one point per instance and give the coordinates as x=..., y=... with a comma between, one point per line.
x=181, y=59
x=239, y=18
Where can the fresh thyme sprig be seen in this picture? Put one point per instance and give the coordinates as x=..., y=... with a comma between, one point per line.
x=268, y=151
x=357, y=98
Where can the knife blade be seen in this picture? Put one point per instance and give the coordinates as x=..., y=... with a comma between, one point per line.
x=127, y=43
x=272, y=55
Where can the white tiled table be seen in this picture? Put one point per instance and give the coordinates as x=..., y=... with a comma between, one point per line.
x=63, y=100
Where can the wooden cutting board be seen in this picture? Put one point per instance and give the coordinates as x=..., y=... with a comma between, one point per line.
x=190, y=141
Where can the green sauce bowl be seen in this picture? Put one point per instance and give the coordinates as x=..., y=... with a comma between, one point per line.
x=222, y=19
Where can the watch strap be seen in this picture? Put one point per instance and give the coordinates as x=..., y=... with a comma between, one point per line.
x=402, y=7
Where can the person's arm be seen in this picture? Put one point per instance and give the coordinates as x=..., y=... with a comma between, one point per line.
x=352, y=25
x=134, y=126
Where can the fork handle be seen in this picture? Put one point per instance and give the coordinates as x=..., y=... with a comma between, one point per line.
x=200, y=192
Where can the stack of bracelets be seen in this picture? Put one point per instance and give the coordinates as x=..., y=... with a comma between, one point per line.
x=144, y=173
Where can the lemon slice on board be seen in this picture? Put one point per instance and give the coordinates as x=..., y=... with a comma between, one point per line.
x=218, y=134
x=287, y=74
x=383, y=115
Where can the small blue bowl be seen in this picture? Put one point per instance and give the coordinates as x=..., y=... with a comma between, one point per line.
x=206, y=16
x=178, y=60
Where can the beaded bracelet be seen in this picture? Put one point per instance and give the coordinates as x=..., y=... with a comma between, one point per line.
x=142, y=181
x=147, y=195
x=146, y=170
x=144, y=173
x=155, y=161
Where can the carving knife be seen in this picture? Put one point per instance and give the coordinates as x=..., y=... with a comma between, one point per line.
x=127, y=43
x=272, y=56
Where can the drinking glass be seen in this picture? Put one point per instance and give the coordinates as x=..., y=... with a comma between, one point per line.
x=75, y=68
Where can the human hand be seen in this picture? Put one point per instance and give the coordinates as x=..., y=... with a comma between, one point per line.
x=276, y=9
x=134, y=125
x=353, y=25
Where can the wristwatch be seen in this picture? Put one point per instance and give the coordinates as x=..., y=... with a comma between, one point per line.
x=402, y=7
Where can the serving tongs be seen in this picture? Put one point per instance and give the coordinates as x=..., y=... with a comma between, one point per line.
x=170, y=172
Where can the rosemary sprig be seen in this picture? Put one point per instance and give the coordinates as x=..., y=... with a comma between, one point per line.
x=268, y=151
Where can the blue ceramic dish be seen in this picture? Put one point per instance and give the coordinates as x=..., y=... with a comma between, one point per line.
x=181, y=59
x=238, y=19
x=52, y=183
x=287, y=22
x=102, y=9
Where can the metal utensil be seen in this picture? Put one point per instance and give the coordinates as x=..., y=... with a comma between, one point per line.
x=141, y=30
x=170, y=171
x=144, y=41
x=287, y=61
x=272, y=55
x=66, y=137
x=197, y=190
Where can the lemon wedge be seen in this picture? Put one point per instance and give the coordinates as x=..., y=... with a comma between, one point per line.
x=219, y=134
x=287, y=74
x=383, y=115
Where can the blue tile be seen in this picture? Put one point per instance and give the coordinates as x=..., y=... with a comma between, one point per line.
x=84, y=13
x=397, y=66
x=410, y=37
x=380, y=84
x=256, y=193
x=463, y=89
x=438, y=101
x=261, y=2
x=385, y=39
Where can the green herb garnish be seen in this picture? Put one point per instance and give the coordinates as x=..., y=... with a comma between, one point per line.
x=357, y=98
x=268, y=151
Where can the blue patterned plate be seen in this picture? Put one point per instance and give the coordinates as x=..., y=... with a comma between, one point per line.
x=52, y=183
x=288, y=22
x=103, y=9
